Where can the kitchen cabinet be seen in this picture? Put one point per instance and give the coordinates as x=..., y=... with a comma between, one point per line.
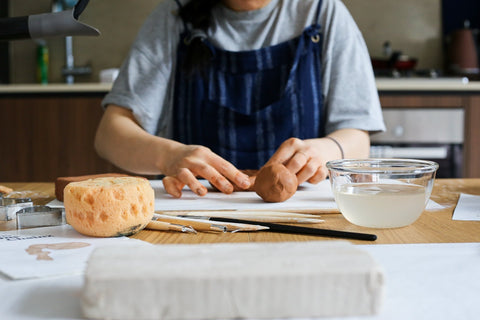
x=47, y=135
x=468, y=101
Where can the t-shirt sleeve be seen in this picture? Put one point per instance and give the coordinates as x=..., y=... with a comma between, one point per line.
x=350, y=93
x=145, y=81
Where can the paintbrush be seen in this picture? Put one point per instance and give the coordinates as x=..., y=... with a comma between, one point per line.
x=274, y=227
x=166, y=226
x=228, y=226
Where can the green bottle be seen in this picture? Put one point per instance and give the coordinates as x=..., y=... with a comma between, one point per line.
x=42, y=63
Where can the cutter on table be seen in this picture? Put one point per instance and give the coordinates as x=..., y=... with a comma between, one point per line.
x=10, y=206
x=40, y=216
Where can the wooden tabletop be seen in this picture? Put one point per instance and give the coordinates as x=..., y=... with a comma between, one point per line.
x=432, y=226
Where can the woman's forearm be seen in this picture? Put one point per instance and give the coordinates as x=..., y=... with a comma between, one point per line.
x=123, y=142
x=120, y=140
x=353, y=142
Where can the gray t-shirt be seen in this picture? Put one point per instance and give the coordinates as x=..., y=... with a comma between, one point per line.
x=146, y=80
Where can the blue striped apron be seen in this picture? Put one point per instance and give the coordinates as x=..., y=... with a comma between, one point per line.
x=248, y=102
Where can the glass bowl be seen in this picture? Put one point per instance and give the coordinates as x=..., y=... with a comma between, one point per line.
x=382, y=193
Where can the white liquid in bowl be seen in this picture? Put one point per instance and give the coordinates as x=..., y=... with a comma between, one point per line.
x=381, y=205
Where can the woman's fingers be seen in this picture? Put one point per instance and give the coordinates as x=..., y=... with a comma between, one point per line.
x=173, y=186
x=202, y=162
x=320, y=175
x=214, y=177
x=286, y=151
x=302, y=159
x=188, y=178
x=308, y=171
x=226, y=170
x=297, y=162
x=219, y=179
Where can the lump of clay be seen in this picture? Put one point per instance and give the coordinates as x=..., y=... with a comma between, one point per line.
x=61, y=182
x=109, y=206
x=275, y=183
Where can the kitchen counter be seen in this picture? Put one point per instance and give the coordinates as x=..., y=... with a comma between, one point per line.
x=426, y=84
x=383, y=84
x=55, y=88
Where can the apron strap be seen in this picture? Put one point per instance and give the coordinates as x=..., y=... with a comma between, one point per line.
x=179, y=8
x=319, y=7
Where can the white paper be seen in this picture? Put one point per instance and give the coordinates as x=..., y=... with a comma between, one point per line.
x=468, y=208
x=309, y=197
x=47, y=252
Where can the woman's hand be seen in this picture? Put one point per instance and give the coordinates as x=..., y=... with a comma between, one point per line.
x=305, y=158
x=187, y=162
x=122, y=141
x=308, y=158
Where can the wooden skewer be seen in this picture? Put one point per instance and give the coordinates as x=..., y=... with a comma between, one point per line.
x=258, y=216
x=244, y=212
x=272, y=213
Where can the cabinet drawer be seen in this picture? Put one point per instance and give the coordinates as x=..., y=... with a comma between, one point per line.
x=422, y=126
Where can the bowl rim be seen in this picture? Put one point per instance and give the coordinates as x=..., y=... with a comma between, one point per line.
x=402, y=165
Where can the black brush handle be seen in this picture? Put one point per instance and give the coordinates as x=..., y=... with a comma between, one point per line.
x=283, y=228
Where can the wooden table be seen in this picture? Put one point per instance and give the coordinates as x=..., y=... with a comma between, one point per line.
x=427, y=274
x=432, y=227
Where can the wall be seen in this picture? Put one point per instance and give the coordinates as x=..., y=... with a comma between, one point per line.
x=117, y=20
x=413, y=26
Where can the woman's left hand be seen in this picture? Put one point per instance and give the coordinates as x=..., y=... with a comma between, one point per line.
x=305, y=158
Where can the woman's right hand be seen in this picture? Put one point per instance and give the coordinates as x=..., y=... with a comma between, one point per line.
x=186, y=163
x=122, y=141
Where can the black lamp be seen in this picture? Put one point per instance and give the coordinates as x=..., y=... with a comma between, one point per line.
x=57, y=24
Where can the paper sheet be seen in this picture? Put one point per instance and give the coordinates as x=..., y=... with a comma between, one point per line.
x=308, y=197
x=468, y=208
x=47, y=252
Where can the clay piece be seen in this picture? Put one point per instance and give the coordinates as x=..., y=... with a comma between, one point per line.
x=61, y=182
x=275, y=183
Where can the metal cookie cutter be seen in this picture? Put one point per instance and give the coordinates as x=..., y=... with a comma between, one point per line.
x=39, y=216
x=10, y=206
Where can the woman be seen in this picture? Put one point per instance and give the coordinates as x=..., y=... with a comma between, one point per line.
x=212, y=87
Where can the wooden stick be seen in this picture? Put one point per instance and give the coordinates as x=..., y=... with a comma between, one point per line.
x=244, y=212
x=259, y=216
